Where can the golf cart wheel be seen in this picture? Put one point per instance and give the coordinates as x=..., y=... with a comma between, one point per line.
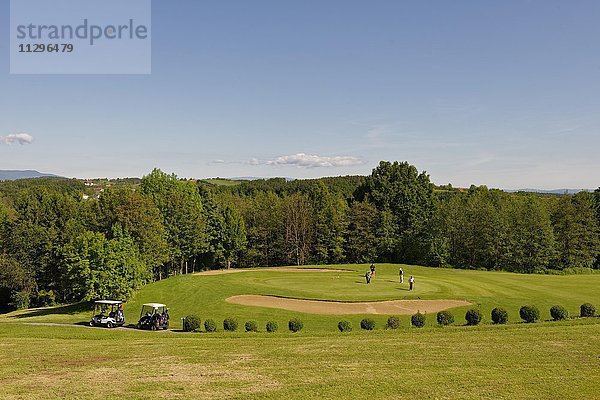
x=138, y=326
x=109, y=325
x=92, y=323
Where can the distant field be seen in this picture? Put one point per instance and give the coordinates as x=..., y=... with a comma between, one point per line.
x=546, y=360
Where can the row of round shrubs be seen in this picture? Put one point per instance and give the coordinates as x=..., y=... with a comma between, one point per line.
x=473, y=317
x=192, y=323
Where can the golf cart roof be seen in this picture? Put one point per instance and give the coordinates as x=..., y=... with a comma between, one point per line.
x=109, y=302
x=154, y=305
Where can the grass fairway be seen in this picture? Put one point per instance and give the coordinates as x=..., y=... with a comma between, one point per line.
x=542, y=361
x=546, y=360
x=204, y=295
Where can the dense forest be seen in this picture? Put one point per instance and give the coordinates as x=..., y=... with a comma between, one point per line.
x=67, y=240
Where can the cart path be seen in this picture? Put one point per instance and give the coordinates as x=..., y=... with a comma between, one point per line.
x=401, y=307
x=118, y=328
x=274, y=269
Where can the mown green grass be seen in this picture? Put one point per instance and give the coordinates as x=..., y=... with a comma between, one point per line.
x=542, y=361
x=546, y=360
x=205, y=295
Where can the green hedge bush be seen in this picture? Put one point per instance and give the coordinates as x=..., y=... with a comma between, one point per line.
x=367, y=324
x=587, y=310
x=251, y=326
x=445, y=318
x=393, y=322
x=418, y=320
x=559, y=313
x=529, y=314
x=191, y=323
x=230, y=324
x=345, y=326
x=473, y=317
x=499, y=316
x=295, y=325
x=210, y=325
x=272, y=326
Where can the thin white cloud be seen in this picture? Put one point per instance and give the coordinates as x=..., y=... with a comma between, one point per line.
x=20, y=138
x=302, y=160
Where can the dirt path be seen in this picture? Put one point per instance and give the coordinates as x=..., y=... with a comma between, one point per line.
x=400, y=307
x=273, y=269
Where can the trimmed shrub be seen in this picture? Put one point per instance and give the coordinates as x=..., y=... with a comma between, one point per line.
x=230, y=324
x=210, y=326
x=46, y=298
x=499, y=316
x=559, y=313
x=445, y=318
x=418, y=320
x=529, y=314
x=345, y=326
x=587, y=310
x=295, y=325
x=393, y=322
x=367, y=324
x=251, y=326
x=20, y=300
x=473, y=317
x=191, y=323
x=272, y=326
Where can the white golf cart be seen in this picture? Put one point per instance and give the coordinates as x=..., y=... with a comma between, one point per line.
x=154, y=316
x=108, y=313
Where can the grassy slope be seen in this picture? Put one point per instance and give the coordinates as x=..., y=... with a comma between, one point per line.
x=517, y=361
x=541, y=361
x=204, y=295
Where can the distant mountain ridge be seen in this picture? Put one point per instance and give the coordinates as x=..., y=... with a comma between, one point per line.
x=12, y=175
x=551, y=191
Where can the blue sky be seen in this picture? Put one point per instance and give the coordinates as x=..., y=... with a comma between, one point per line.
x=503, y=93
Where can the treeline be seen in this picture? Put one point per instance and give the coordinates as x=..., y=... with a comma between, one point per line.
x=57, y=247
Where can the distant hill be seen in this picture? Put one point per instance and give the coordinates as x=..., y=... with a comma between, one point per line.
x=552, y=191
x=11, y=175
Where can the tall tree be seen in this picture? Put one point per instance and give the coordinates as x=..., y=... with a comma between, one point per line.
x=137, y=215
x=361, y=233
x=404, y=196
x=299, y=227
x=576, y=230
x=329, y=216
x=180, y=205
x=96, y=267
x=234, y=235
x=263, y=215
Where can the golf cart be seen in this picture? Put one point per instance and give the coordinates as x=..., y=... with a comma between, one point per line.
x=108, y=313
x=154, y=316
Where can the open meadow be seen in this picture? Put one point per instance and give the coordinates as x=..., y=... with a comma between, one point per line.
x=53, y=355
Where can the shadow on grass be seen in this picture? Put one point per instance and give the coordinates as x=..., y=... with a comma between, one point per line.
x=69, y=309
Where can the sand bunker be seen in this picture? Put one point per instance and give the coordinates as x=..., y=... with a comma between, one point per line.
x=398, y=307
x=277, y=269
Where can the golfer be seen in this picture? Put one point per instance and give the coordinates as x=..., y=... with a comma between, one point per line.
x=411, y=282
x=401, y=275
x=368, y=277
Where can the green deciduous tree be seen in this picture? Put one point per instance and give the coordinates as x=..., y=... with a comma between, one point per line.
x=361, y=233
x=404, y=197
x=137, y=215
x=180, y=205
x=576, y=231
x=96, y=267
